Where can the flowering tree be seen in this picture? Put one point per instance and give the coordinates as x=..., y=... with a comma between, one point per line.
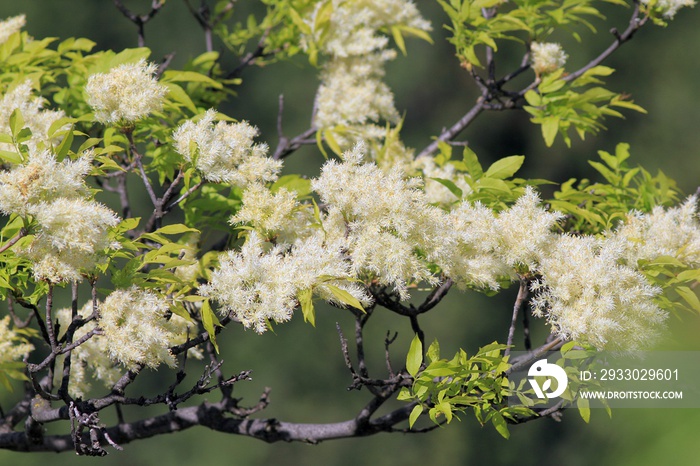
x=232, y=244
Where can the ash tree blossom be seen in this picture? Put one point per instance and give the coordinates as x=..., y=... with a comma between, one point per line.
x=217, y=235
x=225, y=152
x=547, y=57
x=125, y=94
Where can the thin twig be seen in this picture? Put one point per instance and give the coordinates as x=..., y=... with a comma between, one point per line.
x=522, y=296
x=634, y=24
x=20, y=234
x=455, y=129
x=536, y=354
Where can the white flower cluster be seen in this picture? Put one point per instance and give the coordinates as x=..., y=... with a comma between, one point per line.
x=481, y=248
x=225, y=152
x=378, y=227
x=277, y=215
x=90, y=360
x=259, y=285
x=352, y=93
x=11, y=25
x=669, y=8
x=382, y=220
x=547, y=57
x=35, y=117
x=136, y=329
x=72, y=230
x=12, y=346
x=381, y=228
x=671, y=232
x=125, y=94
x=586, y=294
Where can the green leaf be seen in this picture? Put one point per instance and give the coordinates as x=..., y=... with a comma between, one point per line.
x=689, y=297
x=404, y=394
x=296, y=183
x=551, y=85
x=500, y=424
x=434, y=351
x=398, y=38
x=178, y=309
x=533, y=98
x=472, y=162
x=16, y=122
x=10, y=156
x=178, y=95
x=175, y=229
x=493, y=184
x=65, y=145
x=445, y=408
x=505, y=167
x=550, y=128
x=332, y=142
x=610, y=176
x=209, y=320
x=414, y=358
x=415, y=414
x=189, y=76
x=129, y=56
x=307, y=305
x=344, y=297
x=421, y=34
x=454, y=189
x=584, y=409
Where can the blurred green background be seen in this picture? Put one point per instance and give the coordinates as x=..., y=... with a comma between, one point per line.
x=303, y=365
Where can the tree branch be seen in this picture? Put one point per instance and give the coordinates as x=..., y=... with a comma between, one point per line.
x=216, y=417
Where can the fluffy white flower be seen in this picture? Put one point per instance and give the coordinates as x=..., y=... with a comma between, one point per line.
x=320, y=265
x=352, y=93
x=70, y=237
x=671, y=232
x=225, y=152
x=669, y=8
x=126, y=94
x=136, y=328
x=42, y=179
x=90, y=360
x=547, y=57
x=13, y=347
x=467, y=251
x=11, y=25
x=268, y=212
x=383, y=219
x=255, y=285
x=587, y=295
x=35, y=118
x=525, y=231
x=354, y=26
x=259, y=285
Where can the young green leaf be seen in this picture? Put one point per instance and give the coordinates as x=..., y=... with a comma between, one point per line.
x=209, y=320
x=345, y=297
x=505, y=167
x=415, y=414
x=414, y=358
x=307, y=306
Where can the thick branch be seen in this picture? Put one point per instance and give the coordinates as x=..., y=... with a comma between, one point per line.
x=216, y=417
